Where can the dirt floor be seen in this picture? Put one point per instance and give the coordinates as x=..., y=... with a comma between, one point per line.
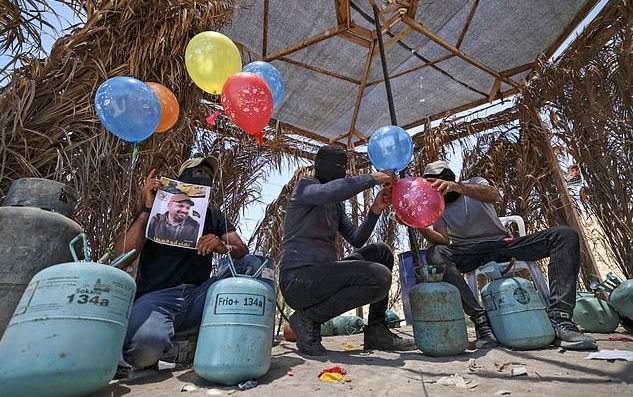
x=548, y=372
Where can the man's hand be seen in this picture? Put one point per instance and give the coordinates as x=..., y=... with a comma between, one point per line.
x=382, y=200
x=150, y=188
x=385, y=178
x=444, y=187
x=210, y=243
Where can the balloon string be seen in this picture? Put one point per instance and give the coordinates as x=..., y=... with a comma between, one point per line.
x=135, y=154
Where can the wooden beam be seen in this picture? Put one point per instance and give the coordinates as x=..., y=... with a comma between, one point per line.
x=342, y=12
x=361, y=90
x=412, y=7
x=573, y=219
x=326, y=34
x=319, y=70
x=397, y=37
x=467, y=24
x=445, y=57
x=355, y=39
x=360, y=31
x=518, y=69
x=496, y=86
x=437, y=39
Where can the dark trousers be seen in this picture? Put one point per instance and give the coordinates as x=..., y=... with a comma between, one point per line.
x=326, y=290
x=560, y=243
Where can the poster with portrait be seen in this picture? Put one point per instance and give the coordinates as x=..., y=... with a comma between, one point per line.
x=178, y=213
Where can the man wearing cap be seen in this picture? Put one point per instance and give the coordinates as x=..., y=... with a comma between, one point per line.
x=469, y=234
x=313, y=280
x=172, y=281
x=175, y=226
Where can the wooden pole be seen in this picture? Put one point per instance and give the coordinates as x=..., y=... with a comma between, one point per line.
x=588, y=262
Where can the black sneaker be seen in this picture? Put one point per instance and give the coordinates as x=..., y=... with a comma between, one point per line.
x=485, y=336
x=568, y=336
x=378, y=337
x=308, y=334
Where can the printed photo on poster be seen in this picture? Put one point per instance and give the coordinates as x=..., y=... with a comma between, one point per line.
x=178, y=214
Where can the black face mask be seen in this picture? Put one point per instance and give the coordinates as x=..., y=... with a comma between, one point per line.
x=200, y=175
x=446, y=175
x=330, y=164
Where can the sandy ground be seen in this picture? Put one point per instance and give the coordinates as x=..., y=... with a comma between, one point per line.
x=550, y=372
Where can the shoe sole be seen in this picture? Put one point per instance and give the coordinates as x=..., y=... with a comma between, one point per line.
x=581, y=345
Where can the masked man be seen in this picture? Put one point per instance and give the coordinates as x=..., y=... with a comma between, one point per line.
x=313, y=280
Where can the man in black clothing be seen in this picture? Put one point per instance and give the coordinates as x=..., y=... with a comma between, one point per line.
x=172, y=281
x=312, y=279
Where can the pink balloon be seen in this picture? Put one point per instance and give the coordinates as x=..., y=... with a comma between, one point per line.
x=416, y=202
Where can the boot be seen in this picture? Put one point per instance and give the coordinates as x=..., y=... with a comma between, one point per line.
x=378, y=337
x=308, y=334
x=568, y=336
x=485, y=337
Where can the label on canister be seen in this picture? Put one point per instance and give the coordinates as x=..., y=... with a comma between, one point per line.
x=74, y=296
x=240, y=303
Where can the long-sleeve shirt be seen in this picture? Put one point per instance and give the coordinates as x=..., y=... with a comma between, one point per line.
x=315, y=213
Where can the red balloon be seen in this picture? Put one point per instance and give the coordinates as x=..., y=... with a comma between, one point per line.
x=248, y=102
x=416, y=202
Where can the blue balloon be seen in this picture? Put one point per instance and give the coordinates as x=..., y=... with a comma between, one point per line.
x=271, y=76
x=128, y=108
x=390, y=148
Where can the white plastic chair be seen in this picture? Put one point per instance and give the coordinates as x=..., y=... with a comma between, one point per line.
x=532, y=267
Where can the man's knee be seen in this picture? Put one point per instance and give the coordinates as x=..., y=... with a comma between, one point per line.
x=385, y=254
x=146, y=348
x=566, y=234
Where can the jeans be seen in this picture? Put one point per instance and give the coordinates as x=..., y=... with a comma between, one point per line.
x=157, y=316
x=560, y=243
x=325, y=290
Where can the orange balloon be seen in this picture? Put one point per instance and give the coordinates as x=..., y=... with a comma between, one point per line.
x=168, y=106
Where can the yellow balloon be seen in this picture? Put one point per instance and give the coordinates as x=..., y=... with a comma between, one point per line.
x=211, y=58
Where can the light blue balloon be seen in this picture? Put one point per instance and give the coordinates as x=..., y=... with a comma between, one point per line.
x=128, y=108
x=271, y=76
x=390, y=148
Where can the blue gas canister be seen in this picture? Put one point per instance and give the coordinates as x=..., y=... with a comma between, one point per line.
x=235, y=340
x=439, y=327
x=622, y=299
x=515, y=310
x=66, y=334
x=594, y=315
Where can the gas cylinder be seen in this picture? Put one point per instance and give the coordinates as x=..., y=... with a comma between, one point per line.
x=515, y=310
x=67, y=331
x=439, y=327
x=595, y=315
x=347, y=325
x=234, y=344
x=35, y=229
x=622, y=299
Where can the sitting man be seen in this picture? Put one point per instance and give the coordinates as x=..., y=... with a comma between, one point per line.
x=313, y=281
x=469, y=234
x=172, y=281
